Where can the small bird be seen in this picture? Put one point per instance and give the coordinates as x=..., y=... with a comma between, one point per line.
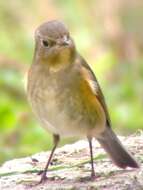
x=66, y=97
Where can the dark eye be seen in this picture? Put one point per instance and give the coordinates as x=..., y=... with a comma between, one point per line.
x=45, y=43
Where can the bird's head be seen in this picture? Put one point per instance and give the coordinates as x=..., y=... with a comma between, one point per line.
x=54, y=45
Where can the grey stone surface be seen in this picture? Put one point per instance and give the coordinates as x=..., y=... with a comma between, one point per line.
x=70, y=169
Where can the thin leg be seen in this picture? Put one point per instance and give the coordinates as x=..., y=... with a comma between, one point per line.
x=91, y=155
x=56, y=139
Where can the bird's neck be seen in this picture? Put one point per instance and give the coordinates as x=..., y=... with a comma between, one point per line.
x=56, y=64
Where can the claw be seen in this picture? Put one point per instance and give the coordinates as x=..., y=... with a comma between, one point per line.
x=93, y=176
x=43, y=177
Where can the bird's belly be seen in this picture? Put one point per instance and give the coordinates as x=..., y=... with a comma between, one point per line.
x=65, y=115
x=57, y=121
x=63, y=108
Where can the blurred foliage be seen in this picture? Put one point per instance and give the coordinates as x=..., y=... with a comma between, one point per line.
x=109, y=37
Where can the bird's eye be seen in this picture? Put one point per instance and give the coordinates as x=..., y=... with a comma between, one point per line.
x=45, y=43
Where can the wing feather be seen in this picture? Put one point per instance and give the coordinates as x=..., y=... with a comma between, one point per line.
x=95, y=87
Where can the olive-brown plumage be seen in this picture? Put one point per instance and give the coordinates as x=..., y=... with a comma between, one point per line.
x=66, y=97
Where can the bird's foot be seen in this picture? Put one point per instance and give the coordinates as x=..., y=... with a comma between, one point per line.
x=43, y=177
x=93, y=176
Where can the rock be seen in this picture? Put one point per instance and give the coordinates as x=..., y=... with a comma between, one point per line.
x=70, y=169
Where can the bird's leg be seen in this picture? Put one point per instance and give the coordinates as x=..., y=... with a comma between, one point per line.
x=93, y=176
x=56, y=139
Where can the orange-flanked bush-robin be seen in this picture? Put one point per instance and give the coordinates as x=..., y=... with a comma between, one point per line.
x=66, y=97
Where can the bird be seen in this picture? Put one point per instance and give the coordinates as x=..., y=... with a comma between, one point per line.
x=66, y=97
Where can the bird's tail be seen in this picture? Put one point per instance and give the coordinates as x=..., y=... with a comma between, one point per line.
x=116, y=151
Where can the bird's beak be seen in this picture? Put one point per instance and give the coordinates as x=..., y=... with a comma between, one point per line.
x=64, y=41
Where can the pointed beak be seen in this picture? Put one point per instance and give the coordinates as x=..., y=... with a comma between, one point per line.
x=64, y=41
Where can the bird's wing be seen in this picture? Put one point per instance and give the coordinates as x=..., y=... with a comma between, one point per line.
x=94, y=85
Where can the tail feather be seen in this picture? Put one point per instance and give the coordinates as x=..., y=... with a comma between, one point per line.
x=115, y=149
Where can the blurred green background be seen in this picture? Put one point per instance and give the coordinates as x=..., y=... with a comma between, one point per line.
x=109, y=35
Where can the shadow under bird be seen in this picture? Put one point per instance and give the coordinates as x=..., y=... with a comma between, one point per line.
x=66, y=97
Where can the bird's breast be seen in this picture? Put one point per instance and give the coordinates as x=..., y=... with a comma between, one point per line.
x=62, y=106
